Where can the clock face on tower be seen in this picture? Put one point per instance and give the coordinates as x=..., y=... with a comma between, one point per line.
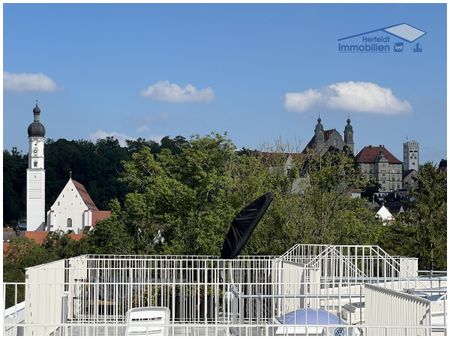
x=35, y=150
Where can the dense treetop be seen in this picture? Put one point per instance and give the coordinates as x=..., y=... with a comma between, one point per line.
x=179, y=196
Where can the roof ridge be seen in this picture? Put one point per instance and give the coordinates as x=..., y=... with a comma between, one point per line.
x=84, y=195
x=369, y=154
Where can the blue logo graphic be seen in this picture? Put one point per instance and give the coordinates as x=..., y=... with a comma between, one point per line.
x=382, y=40
x=417, y=48
x=398, y=47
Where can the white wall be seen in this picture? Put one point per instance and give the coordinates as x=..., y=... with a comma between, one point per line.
x=386, y=307
x=68, y=205
x=35, y=199
x=77, y=277
x=36, y=152
x=44, y=287
x=296, y=280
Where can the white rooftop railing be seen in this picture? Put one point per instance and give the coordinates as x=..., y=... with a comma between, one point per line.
x=91, y=294
x=367, y=263
x=119, y=329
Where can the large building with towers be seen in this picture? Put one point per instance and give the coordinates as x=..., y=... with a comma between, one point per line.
x=324, y=140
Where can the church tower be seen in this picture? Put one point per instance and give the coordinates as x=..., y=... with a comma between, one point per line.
x=319, y=134
x=348, y=136
x=36, y=174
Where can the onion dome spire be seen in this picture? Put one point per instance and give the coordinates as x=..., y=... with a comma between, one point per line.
x=36, y=129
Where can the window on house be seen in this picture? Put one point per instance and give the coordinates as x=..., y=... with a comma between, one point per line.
x=69, y=222
x=59, y=203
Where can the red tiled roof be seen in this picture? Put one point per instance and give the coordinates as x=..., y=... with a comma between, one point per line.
x=75, y=236
x=85, y=195
x=99, y=215
x=37, y=236
x=369, y=154
x=6, y=247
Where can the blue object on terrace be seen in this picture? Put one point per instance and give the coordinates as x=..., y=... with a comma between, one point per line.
x=310, y=316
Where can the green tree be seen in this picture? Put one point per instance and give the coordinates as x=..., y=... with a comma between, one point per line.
x=329, y=213
x=62, y=246
x=137, y=145
x=182, y=194
x=110, y=235
x=422, y=229
x=191, y=196
x=14, y=179
x=23, y=253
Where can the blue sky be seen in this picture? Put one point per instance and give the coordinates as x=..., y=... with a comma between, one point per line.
x=125, y=69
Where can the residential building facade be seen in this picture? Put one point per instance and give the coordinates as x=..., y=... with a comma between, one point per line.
x=380, y=165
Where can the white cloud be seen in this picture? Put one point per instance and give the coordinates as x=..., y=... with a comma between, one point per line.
x=143, y=128
x=146, y=121
x=166, y=91
x=156, y=138
x=102, y=135
x=23, y=82
x=348, y=96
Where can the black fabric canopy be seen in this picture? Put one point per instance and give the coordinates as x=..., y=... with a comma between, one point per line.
x=243, y=225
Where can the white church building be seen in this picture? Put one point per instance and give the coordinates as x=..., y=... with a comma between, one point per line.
x=73, y=211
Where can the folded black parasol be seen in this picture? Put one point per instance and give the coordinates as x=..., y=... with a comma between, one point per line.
x=243, y=225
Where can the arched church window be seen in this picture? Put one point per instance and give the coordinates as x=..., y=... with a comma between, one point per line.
x=35, y=164
x=69, y=222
